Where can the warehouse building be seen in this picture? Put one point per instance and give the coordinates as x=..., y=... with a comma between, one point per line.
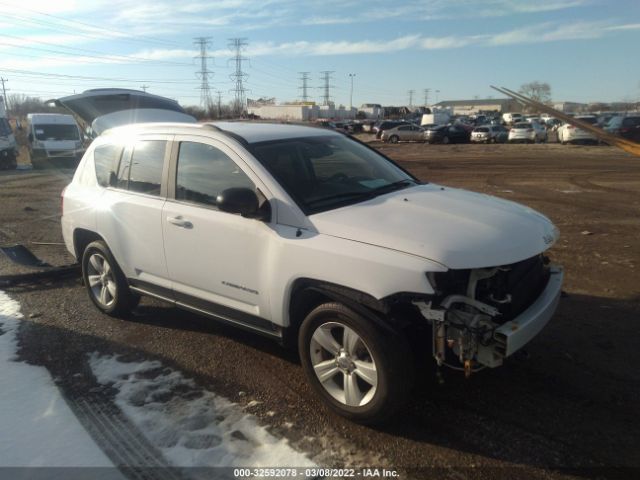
x=469, y=107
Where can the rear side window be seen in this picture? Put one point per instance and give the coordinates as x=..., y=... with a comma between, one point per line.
x=204, y=172
x=147, y=162
x=631, y=122
x=106, y=159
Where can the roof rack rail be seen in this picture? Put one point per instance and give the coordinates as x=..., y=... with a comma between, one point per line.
x=235, y=136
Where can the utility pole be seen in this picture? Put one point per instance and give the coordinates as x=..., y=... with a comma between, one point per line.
x=351, y=75
x=437, y=93
x=304, y=78
x=144, y=88
x=4, y=92
x=238, y=77
x=426, y=96
x=326, y=78
x=204, y=73
x=411, y=93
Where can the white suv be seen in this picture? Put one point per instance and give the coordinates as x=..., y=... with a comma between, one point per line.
x=314, y=239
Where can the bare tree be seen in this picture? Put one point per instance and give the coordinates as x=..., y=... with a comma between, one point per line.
x=538, y=91
x=20, y=105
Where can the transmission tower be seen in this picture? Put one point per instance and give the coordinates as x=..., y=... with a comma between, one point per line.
x=304, y=78
x=204, y=73
x=426, y=96
x=326, y=78
x=411, y=93
x=238, y=77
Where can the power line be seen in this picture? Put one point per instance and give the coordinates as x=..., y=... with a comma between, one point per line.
x=111, y=31
x=204, y=73
x=238, y=77
x=100, y=56
x=79, y=49
x=326, y=78
x=305, y=86
x=91, y=78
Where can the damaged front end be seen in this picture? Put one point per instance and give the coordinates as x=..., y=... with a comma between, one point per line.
x=481, y=316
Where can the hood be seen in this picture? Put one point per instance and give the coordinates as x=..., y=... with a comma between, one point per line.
x=105, y=108
x=457, y=228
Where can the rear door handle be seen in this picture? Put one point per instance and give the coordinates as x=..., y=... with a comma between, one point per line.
x=180, y=222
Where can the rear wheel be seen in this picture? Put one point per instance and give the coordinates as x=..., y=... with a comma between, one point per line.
x=105, y=282
x=361, y=373
x=445, y=140
x=394, y=139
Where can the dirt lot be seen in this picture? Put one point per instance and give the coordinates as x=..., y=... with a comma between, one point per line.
x=569, y=407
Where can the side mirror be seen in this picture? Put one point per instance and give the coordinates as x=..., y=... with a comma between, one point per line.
x=239, y=200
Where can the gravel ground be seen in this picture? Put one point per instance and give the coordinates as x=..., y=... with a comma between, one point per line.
x=568, y=408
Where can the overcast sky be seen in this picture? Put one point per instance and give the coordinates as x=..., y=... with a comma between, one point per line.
x=585, y=49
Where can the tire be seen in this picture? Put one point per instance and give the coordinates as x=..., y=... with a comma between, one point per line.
x=349, y=350
x=106, y=284
x=445, y=140
x=393, y=139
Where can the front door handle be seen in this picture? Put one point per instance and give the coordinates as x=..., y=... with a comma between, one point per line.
x=180, y=222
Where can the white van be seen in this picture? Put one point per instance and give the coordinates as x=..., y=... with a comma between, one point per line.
x=511, y=118
x=8, y=146
x=53, y=135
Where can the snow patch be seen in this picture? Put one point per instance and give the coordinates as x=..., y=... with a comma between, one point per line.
x=191, y=426
x=38, y=427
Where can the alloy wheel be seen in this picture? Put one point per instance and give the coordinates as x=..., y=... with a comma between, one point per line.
x=343, y=364
x=101, y=279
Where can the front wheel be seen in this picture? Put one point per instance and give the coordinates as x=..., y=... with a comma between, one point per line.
x=106, y=284
x=394, y=139
x=445, y=140
x=361, y=373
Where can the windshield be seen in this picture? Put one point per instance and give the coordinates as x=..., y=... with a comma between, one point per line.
x=322, y=173
x=56, y=132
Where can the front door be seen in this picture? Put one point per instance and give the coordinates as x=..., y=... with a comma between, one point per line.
x=217, y=261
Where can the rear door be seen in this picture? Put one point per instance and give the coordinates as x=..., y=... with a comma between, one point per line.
x=216, y=260
x=130, y=212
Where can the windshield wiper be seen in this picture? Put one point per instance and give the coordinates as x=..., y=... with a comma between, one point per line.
x=343, y=195
x=390, y=187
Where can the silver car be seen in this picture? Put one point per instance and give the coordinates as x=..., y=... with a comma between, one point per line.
x=489, y=134
x=403, y=133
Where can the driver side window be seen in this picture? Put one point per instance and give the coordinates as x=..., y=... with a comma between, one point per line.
x=204, y=172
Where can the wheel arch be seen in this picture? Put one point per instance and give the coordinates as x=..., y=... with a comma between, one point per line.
x=81, y=238
x=307, y=293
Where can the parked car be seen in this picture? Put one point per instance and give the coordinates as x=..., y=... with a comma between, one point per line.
x=313, y=239
x=569, y=134
x=385, y=125
x=627, y=127
x=525, y=132
x=403, y=133
x=511, y=118
x=447, y=134
x=489, y=134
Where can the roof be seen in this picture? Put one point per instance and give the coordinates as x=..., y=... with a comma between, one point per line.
x=250, y=132
x=254, y=132
x=61, y=118
x=454, y=103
